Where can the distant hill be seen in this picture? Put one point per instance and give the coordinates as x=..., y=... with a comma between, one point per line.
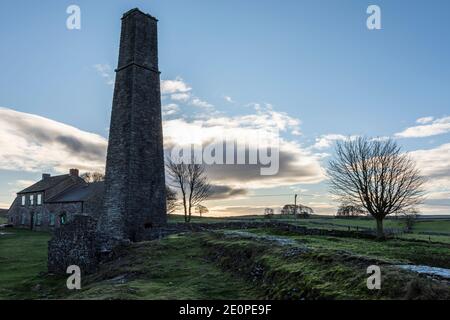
x=3, y=212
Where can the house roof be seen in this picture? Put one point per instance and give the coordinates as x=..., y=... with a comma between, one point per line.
x=45, y=184
x=79, y=193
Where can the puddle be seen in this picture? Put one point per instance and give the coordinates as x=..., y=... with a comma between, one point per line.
x=432, y=271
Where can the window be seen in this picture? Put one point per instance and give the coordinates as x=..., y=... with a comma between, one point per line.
x=39, y=199
x=23, y=200
x=62, y=219
x=51, y=219
x=38, y=219
x=31, y=199
x=23, y=218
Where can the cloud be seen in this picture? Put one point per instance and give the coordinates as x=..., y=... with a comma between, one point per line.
x=327, y=140
x=428, y=128
x=180, y=97
x=33, y=143
x=219, y=192
x=170, y=109
x=174, y=86
x=424, y=120
x=296, y=164
x=106, y=72
x=179, y=91
x=228, y=99
x=434, y=165
x=196, y=102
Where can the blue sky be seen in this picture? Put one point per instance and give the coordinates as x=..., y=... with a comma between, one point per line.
x=313, y=61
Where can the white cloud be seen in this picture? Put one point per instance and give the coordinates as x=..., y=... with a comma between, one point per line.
x=428, y=128
x=327, y=140
x=170, y=109
x=296, y=164
x=228, y=99
x=33, y=143
x=174, y=86
x=424, y=120
x=200, y=103
x=434, y=165
x=180, y=96
x=106, y=72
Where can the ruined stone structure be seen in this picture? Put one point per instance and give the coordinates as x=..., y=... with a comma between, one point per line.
x=74, y=244
x=135, y=199
x=54, y=201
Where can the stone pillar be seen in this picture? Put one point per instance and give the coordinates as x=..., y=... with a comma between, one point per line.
x=135, y=199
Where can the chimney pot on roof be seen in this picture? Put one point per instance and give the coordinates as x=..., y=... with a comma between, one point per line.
x=74, y=172
x=45, y=176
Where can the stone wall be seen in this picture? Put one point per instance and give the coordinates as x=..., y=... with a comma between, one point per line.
x=74, y=244
x=21, y=216
x=242, y=225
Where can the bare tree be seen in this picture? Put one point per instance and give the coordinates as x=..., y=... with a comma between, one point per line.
x=90, y=177
x=171, y=200
x=410, y=219
x=192, y=181
x=377, y=176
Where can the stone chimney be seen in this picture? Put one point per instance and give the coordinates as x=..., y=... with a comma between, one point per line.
x=45, y=176
x=137, y=203
x=74, y=172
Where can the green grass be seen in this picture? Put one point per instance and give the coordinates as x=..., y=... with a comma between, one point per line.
x=174, y=218
x=436, y=254
x=316, y=271
x=214, y=266
x=3, y=220
x=23, y=257
x=174, y=268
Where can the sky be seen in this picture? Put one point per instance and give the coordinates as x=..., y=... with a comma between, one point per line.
x=312, y=70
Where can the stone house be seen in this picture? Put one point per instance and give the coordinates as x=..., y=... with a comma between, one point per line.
x=55, y=200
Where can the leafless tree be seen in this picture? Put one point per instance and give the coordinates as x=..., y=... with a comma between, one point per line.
x=377, y=176
x=410, y=219
x=90, y=177
x=171, y=199
x=192, y=181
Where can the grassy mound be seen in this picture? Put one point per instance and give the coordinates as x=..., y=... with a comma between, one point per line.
x=306, y=272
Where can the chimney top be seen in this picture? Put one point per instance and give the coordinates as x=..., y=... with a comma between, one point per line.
x=137, y=10
x=45, y=176
x=74, y=172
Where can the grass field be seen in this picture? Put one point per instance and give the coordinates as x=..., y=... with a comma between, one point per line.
x=434, y=231
x=217, y=265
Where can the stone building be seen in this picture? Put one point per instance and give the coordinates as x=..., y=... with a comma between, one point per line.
x=54, y=201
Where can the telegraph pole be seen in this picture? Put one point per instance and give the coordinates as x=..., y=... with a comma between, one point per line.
x=295, y=204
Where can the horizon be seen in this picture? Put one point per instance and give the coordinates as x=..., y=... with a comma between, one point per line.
x=315, y=75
